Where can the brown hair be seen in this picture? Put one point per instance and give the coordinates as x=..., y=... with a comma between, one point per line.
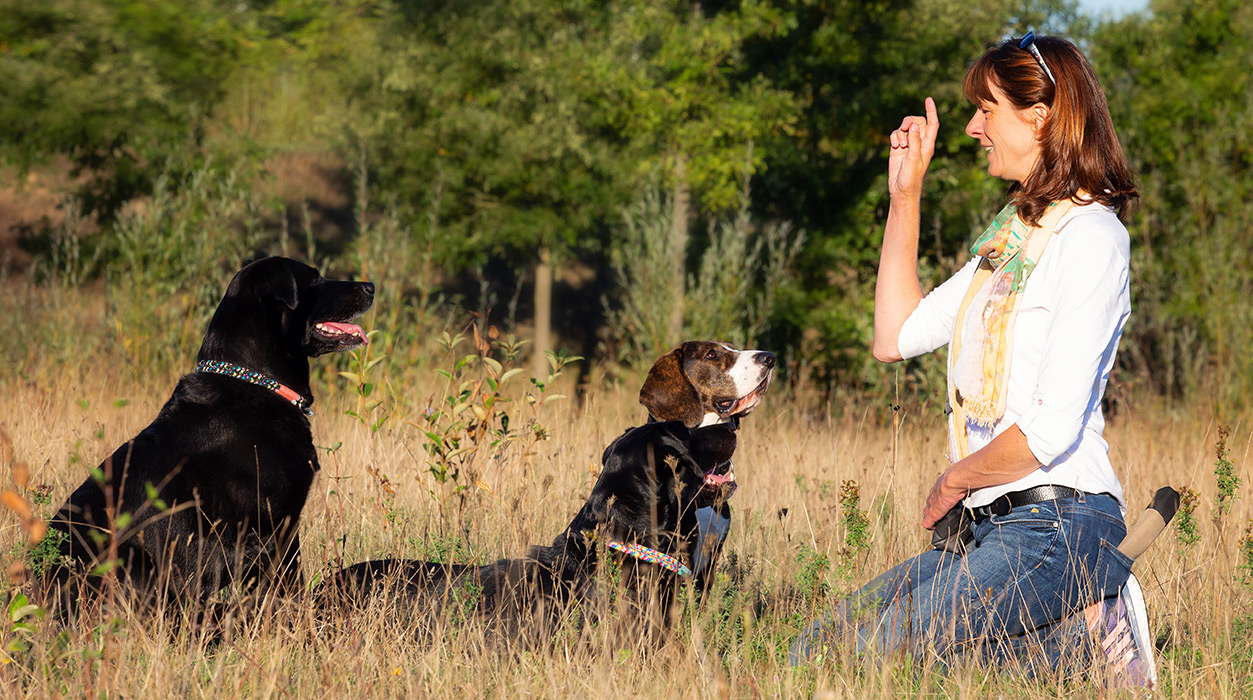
x=1079, y=149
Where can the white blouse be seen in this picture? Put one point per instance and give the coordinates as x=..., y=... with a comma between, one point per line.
x=1070, y=319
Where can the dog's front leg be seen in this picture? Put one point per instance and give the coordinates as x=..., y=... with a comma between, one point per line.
x=713, y=523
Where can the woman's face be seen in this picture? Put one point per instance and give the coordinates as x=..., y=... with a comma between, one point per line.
x=1008, y=135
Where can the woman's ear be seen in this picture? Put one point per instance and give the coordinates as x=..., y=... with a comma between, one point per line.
x=1039, y=115
x=667, y=394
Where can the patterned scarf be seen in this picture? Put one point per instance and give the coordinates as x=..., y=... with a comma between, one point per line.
x=982, y=345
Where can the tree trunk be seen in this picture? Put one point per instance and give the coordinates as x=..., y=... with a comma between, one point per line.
x=678, y=247
x=542, y=342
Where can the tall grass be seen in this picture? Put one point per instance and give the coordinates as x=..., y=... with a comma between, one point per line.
x=827, y=498
x=823, y=505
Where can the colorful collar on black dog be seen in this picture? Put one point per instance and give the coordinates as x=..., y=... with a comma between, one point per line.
x=215, y=367
x=651, y=556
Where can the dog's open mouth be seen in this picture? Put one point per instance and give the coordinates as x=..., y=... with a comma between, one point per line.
x=749, y=401
x=720, y=482
x=349, y=334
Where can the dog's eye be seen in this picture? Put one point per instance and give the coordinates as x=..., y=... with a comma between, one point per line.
x=724, y=405
x=711, y=355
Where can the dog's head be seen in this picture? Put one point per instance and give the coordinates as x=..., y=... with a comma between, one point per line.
x=655, y=476
x=702, y=383
x=278, y=308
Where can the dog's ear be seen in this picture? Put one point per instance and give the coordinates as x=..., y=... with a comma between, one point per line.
x=667, y=394
x=278, y=284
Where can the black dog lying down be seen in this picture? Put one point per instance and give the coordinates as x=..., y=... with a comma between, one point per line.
x=211, y=492
x=641, y=514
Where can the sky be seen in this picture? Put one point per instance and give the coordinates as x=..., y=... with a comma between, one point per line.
x=1116, y=7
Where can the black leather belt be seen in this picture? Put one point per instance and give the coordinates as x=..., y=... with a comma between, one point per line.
x=1007, y=502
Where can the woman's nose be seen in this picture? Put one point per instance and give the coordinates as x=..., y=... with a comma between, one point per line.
x=974, y=127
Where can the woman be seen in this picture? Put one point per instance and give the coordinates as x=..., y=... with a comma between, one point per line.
x=1038, y=313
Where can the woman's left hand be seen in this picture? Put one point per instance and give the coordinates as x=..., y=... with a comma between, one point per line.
x=941, y=500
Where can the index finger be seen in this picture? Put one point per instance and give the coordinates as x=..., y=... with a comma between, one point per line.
x=933, y=119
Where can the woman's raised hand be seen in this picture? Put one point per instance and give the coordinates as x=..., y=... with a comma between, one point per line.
x=913, y=144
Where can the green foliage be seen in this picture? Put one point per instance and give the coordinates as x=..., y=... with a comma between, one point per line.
x=1244, y=556
x=856, y=524
x=740, y=274
x=1224, y=472
x=20, y=628
x=678, y=86
x=46, y=555
x=465, y=598
x=641, y=261
x=1186, y=63
x=367, y=411
x=168, y=260
x=492, y=129
x=115, y=86
x=812, y=573
x=1186, y=530
x=477, y=420
x=443, y=549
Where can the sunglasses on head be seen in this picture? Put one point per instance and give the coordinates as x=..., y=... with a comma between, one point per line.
x=1028, y=44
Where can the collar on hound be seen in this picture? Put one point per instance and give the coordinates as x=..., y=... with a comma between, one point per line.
x=215, y=367
x=651, y=556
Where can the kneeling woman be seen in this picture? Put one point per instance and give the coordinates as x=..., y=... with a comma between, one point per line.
x=1033, y=323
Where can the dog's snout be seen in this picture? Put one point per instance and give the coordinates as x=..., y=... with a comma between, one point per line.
x=368, y=288
x=765, y=358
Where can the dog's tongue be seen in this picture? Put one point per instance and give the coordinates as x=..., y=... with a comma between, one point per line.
x=716, y=480
x=347, y=329
x=745, y=403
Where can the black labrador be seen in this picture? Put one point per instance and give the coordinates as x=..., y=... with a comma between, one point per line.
x=211, y=492
x=642, y=515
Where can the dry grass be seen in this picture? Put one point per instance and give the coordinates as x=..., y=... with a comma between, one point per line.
x=375, y=498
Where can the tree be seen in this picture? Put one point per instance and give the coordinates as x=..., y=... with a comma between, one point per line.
x=856, y=69
x=688, y=104
x=539, y=120
x=113, y=86
x=1178, y=83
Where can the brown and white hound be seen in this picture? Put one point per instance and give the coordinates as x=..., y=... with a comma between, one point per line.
x=703, y=383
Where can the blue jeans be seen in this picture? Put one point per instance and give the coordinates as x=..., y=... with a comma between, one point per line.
x=1010, y=599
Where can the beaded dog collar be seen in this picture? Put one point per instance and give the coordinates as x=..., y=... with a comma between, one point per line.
x=215, y=367
x=651, y=556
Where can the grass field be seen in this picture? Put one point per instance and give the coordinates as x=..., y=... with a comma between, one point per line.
x=801, y=536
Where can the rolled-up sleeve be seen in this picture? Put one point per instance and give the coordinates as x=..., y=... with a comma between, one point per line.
x=1089, y=306
x=930, y=326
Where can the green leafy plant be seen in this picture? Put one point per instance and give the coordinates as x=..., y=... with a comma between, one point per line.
x=856, y=524
x=742, y=269
x=1185, y=519
x=46, y=555
x=1224, y=473
x=477, y=419
x=21, y=625
x=367, y=411
x=465, y=598
x=811, y=573
x=443, y=549
x=1245, y=556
